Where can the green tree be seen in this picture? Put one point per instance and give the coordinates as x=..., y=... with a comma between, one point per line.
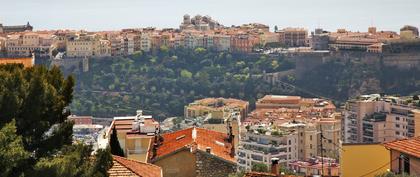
x=12, y=154
x=259, y=167
x=115, y=144
x=75, y=160
x=186, y=74
x=36, y=139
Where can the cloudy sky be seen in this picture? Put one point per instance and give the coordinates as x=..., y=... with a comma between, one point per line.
x=356, y=15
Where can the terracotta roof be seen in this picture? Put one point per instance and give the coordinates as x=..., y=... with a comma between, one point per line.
x=131, y=168
x=408, y=146
x=199, y=137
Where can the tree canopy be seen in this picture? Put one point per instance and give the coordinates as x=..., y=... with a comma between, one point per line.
x=35, y=136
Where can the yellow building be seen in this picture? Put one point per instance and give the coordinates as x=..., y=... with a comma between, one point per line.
x=27, y=62
x=216, y=107
x=365, y=160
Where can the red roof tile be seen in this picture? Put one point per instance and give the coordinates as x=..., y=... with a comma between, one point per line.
x=204, y=138
x=409, y=146
x=126, y=167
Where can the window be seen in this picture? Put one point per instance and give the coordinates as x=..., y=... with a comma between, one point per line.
x=397, y=125
x=397, y=118
x=397, y=133
x=310, y=146
x=290, y=142
x=310, y=137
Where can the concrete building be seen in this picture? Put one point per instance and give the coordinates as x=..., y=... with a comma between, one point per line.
x=136, y=135
x=200, y=23
x=81, y=45
x=243, y=43
x=376, y=118
x=222, y=42
x=259, y=144
x=294, y=37
x=320, y=40
x=27, y=43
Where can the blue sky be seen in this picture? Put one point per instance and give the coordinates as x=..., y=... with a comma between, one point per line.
x=116, y=14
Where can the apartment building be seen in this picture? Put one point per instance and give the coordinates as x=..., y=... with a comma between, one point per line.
x=376, y=118
x=294, y=37
x=27, y=43
x=2, y=44
x=221, y=42
x=243, y=43
x=145, y=42
x=308, y=117
x=259, y=144
x=136, y=134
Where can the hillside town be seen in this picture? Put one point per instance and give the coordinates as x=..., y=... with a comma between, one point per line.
x=200, y=32
x=305, y=136
x=273, y=136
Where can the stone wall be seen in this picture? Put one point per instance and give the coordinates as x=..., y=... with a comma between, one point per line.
x=79, y=64
x=211, y=166
x=308, y=62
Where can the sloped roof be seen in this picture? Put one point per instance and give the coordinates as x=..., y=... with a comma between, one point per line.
x=199, y=137
x=408, y=146
x=131, y=168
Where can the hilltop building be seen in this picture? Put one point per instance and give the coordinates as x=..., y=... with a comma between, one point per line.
x=15, y=29
x=200, y=23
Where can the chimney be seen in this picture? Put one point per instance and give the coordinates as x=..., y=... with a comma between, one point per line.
x=232, y=149
x=275, y=166
x=208, y=150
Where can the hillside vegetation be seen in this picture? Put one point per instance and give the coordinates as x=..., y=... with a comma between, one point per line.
x=162, y=83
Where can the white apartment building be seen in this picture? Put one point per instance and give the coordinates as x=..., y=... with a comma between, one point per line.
x=260, y=145
x=145, y=42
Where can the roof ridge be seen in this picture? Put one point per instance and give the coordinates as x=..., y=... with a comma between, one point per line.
x=177, y=131
x=122, y=163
